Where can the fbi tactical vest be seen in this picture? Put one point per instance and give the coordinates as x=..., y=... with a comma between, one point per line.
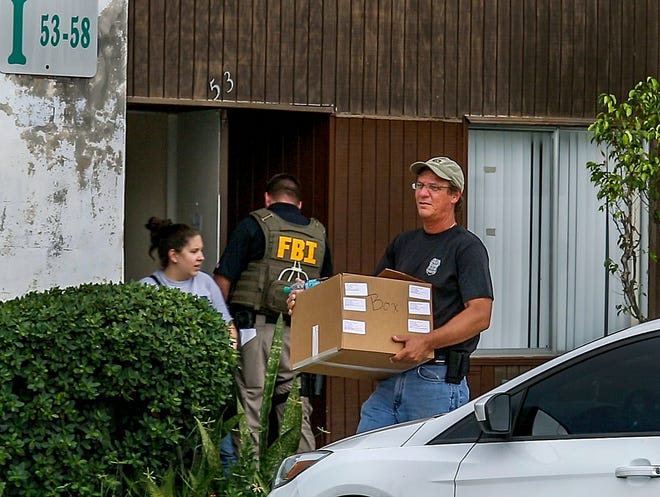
x=292, y=251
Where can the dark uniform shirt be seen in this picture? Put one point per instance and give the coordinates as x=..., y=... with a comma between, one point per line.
x=247, y=243
x=455, y=262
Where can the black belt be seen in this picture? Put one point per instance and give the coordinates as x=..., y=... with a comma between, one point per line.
x=439, y=358
x=245, y=317
x=272, y=318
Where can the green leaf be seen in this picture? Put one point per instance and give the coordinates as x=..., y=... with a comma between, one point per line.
x=631, y=172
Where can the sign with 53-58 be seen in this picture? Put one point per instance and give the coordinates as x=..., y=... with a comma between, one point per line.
x=49, y=37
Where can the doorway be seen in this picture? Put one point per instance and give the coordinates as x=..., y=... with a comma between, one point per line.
x=175, y=169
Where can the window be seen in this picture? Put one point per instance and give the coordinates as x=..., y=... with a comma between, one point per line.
x=465, y=431
x=616, y=392
x=532, y=203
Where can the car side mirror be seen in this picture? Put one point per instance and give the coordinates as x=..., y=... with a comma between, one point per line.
x=494, y=414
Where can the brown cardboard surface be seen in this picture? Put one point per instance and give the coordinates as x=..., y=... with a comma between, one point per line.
x=343, y=326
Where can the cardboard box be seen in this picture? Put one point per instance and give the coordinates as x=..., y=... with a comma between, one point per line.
x=344, y=326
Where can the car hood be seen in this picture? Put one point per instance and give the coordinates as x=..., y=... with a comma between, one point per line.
x=392, y=436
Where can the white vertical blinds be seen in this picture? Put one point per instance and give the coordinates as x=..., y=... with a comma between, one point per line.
x=531, y=202
x=505, y=210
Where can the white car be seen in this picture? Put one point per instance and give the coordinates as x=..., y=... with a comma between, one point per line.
x=584, y=423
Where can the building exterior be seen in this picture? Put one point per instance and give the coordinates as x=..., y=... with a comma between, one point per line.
x=346, y=94
x=62, y=141
x=221, y=94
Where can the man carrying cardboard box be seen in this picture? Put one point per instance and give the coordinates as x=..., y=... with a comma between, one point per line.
x=455, y=262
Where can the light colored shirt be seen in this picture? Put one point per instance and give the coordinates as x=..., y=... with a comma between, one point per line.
x=201, y=285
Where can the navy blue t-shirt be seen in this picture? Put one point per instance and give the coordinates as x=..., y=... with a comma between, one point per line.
x=455, y=262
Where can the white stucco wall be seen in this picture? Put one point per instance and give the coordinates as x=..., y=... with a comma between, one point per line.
x=62, y=143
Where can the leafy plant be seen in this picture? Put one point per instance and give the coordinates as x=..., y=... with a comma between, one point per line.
x=629, y=176
x=270, y=457
x=99, y=383
x=206, y=469
x=253, y=472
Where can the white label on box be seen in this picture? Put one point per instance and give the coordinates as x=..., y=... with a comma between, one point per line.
x=355, y=304
x=356, y=289
x=419, y=326
x=356, y=327
x=419, y=292
x=315, y=340
x=421, y=308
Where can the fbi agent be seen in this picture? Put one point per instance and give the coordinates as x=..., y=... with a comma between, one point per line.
x=267, y=251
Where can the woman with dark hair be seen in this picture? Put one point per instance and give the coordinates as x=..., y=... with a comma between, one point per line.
x=181, y=253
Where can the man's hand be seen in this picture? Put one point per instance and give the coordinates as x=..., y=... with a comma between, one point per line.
x=416, y=348
x=466, y=324
x=291, y=299
x=233, y=335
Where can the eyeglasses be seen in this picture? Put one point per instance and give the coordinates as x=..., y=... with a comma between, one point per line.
x=432, y=187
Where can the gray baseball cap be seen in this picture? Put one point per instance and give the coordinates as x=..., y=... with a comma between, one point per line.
x=444, y=168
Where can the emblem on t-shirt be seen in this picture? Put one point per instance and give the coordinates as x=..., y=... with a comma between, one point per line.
x=433, y=266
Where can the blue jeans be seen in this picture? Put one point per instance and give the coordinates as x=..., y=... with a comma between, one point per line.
x=420, y=392
x=227, y=455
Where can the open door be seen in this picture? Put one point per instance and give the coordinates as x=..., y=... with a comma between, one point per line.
x=198, y=180
x=175, y=168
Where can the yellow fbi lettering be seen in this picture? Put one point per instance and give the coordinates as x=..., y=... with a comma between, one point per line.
x=296, y=249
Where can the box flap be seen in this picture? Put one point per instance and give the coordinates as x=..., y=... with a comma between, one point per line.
x=397, y=275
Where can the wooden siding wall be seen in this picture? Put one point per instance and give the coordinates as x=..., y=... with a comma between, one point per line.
x=370, y=195
x=423, y=58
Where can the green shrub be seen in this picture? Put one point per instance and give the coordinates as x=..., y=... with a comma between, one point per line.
x=252, y=474
x=99, y=383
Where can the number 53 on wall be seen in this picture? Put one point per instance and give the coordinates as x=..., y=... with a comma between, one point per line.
x=49, y=38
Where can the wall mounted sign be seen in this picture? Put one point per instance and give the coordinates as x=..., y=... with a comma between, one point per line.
x=49, y=38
